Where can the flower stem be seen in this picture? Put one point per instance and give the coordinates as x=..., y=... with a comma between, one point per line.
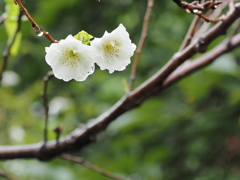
x=35, y=26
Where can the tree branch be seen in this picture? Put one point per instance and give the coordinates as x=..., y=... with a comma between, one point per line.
x=91, y=166
x=36, y=28
x=203, y=61
x=190, y=33
x=141, y=42
x=46, y=107
x=5, y=175
x=82, y=136
x=197, y=8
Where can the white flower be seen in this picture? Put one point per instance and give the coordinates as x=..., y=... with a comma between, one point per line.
x=70, y=59
x=115, y=49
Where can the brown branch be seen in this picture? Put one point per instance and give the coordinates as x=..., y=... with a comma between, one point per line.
x=190, y=33
x=203, y=61
x=141, y=42
x=207, y=19
x=36, y=28
x=6, y=52
x=7, y=176
x=84, y=135
x=46, y=107
x=212, y=14
x=91, y=166
x=58, y=131
x=197, y=8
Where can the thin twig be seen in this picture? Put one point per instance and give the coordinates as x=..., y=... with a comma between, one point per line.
x=197, y=8
x=91, y=166
x=9, y=46
x=190, y=33
x=205, y=25
x=58, y=131
x=231, y=5
x=37, y=29
x=141, y=42
x=46, y=107
x=207, y=19
x=7, y=176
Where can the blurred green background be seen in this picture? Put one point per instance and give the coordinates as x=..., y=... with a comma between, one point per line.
x=188, y=132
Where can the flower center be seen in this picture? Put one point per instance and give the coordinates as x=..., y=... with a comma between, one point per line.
x=71, y=54
x=70, y=58
x=111, y=48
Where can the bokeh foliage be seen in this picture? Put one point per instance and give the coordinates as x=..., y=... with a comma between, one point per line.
x=190, y=131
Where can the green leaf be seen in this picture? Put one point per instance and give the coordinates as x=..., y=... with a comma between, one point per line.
x=11, y=24
x=84, y=37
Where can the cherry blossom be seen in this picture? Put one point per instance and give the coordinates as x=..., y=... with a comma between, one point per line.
x=114, y=49
x=71, y=59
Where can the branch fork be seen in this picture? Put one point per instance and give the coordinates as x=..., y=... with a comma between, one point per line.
x=197, y=8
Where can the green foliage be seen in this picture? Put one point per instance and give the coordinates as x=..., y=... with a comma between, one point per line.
x=12, y=12
x=182, y=133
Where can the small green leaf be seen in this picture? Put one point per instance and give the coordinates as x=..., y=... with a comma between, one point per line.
x=84, y=37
